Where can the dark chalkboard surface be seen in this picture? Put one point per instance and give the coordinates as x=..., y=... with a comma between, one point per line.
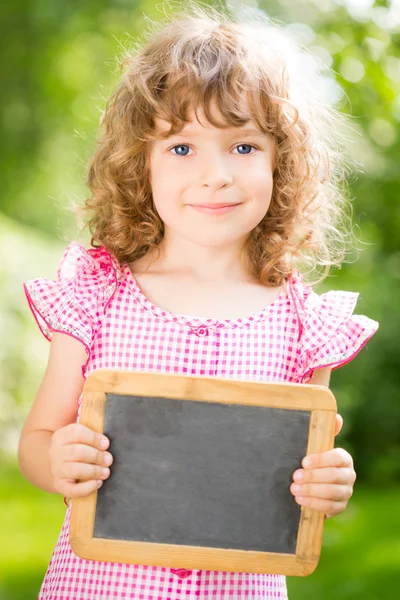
x=203, y=474
x=202, y=471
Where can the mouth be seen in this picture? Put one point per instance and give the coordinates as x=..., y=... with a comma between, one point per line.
x=214, y=209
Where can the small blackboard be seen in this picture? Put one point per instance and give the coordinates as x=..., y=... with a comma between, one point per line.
x=201, y=473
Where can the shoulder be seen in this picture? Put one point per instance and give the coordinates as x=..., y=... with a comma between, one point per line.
x=330, y=334
x=75, y=300
x=89, y=273
x=327, y=310
x=94, y=265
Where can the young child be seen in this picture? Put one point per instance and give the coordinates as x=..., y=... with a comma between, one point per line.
x=217, y=179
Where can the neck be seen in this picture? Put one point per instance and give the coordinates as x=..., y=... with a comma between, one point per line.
x=200, y=262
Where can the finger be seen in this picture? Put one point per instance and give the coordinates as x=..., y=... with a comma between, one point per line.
x=325, y=491
x=338, y=424
x=342, y=476
x=71, y=489
x=325, y=506
x=87, y=454
x=76, y=433
x=338, y=457
x=83, y=471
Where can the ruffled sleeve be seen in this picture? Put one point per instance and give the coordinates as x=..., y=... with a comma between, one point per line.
x=75, y=302
x=330, y=334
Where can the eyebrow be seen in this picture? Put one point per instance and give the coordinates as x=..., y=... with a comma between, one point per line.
x=230, y=131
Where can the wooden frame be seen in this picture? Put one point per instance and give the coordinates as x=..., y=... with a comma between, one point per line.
x=317, y=399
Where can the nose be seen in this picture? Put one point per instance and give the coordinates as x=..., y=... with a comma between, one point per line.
x=216, y=171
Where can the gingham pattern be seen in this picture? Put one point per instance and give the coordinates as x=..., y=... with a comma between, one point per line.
x=97, y=300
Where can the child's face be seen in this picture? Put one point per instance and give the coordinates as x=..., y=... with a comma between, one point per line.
x=204, y=165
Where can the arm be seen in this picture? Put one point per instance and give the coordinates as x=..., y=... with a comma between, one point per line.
x=321, y=377
x=326, y=482
x=51, y=442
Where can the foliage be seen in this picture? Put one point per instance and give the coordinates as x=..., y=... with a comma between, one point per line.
x=24, y=254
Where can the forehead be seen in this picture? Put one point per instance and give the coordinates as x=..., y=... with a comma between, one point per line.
x=198, y=123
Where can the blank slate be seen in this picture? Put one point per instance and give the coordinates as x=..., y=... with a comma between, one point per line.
x=201, y=473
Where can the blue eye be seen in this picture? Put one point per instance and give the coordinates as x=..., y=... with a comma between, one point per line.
x=243, y=146
x=180, y=146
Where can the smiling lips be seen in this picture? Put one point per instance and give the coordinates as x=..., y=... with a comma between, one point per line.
x=214, y=209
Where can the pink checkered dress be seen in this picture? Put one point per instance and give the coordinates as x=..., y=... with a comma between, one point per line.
x=97, y=301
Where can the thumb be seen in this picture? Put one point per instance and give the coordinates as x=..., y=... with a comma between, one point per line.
x=338, y=424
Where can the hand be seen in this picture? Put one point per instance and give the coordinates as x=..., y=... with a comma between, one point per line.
x=326, y=481
x=78, y=463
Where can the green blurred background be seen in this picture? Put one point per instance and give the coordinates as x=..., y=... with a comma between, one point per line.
x=59, y=65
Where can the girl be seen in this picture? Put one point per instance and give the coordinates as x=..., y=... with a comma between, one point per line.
x=216, y=180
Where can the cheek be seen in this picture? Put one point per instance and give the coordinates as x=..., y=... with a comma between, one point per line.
x=167, y=204
x=166, y=179
x=262, y=191
x=165, y=212
x=266, y=180
x=164, y=191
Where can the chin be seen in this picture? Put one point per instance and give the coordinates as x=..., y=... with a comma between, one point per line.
x=215, y=241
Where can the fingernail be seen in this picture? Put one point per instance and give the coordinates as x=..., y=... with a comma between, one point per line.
x=107, y=459
x=104, y=443
x=296, y=488
x=99, y=483
x=298, y=476
x=105, y=472
x=307, y=463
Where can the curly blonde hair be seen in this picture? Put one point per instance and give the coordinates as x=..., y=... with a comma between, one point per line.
x=203, y=54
